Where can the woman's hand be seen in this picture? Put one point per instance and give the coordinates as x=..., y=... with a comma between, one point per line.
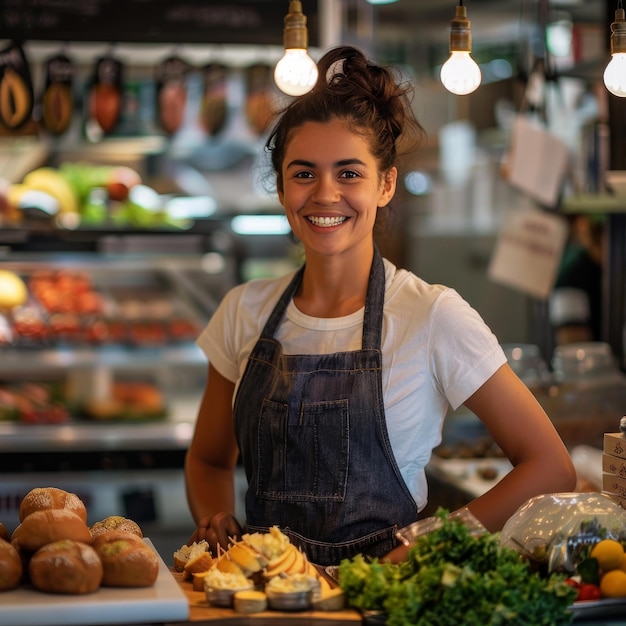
x=397, y=555
x=221, y=529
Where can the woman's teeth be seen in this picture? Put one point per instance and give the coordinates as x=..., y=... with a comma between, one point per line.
x=326, y=221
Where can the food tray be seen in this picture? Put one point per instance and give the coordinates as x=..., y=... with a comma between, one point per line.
x=164, y=601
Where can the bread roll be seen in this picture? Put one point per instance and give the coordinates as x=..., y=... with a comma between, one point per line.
x=4, y=533
x=10, y=566
x=43, y=527
x=126, y=559
x=116, y=523
x=66, y=566
x=47, y=498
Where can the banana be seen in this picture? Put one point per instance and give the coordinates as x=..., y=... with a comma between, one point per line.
x=15, y=99
x=15, y=193
x=52, y=182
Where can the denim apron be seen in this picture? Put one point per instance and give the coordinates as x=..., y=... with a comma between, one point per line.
x=314, y=444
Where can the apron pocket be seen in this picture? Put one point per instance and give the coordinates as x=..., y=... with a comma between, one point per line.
x=303, y=458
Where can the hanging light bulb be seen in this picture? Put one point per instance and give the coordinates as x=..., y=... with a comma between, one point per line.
x=296, y=72
x=615, y=72
x=460, y=74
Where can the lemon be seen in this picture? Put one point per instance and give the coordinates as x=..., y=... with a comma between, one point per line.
x=13, y=291
x=608, y=553
x=613, y=584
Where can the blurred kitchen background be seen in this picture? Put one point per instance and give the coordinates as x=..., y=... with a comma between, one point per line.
x=172, y=205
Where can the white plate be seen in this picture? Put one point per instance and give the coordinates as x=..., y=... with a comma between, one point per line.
x=164, y=601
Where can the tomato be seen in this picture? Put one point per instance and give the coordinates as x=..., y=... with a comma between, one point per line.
x=588, y=591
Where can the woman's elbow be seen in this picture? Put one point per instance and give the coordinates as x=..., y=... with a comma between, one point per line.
x=565, y=475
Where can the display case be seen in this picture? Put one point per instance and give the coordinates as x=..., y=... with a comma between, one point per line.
x=100, y=379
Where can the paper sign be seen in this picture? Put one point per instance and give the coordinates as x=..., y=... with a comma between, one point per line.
x=537, y=161
x=528, y=252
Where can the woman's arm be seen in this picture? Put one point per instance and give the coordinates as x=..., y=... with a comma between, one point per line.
x=520, y=426
x=210, y=465
x=524, y=432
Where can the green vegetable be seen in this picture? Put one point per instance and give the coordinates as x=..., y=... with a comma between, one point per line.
x=452, y=577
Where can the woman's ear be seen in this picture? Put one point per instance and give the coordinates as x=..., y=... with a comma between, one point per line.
x=388, y=186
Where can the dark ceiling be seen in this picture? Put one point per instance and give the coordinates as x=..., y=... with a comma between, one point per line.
x=491, y=20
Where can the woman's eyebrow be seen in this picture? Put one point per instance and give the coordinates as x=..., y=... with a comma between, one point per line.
x=341, y=163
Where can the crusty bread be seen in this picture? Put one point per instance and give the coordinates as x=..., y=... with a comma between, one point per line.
x=4, y=533
x=46, y=498
x=11, y=569
x=187, y=552
x=43, y=527
x=66, y=566
x=116, y=523
x=126, y=559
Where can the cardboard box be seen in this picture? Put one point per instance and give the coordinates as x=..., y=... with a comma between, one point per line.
x=614, y=485
x=620, y=501
x=615, y=444
x=614, y=465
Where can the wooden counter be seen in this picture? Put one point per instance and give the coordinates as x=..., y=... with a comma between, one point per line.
x=200, y=612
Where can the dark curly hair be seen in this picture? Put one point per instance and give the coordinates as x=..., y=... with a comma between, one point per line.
x=371, y=99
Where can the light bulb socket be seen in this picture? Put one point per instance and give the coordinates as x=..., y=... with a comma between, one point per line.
x=295, y=34
x=618, y=32
x=460, y=32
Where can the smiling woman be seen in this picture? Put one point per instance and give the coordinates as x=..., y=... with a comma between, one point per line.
x=331, y=383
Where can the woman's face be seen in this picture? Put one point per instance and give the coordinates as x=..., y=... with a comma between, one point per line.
x=332, y=187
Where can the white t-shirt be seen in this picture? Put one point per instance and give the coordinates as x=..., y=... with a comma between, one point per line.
x=437, y=351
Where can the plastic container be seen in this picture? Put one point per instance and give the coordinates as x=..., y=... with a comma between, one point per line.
x=588, y=394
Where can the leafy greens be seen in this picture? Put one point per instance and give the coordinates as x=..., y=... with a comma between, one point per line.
x=451, y=577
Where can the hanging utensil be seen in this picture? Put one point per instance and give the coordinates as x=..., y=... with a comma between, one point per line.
x=16, y=88
x=171, y=90
x=57, y=101
x=213, y=108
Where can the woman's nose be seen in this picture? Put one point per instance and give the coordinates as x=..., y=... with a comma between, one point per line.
x=326, y=190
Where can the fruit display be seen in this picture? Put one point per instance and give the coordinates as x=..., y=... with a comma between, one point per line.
x=600, y=570
x=579, y=535
x=67, y=306
x=81, y=194
x=261, y=570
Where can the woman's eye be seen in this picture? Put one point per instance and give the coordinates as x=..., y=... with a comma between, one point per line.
x=303, y=175
x=349, y=174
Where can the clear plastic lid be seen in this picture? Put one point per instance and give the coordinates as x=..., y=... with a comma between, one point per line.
x=550, y=529
x=585, y=361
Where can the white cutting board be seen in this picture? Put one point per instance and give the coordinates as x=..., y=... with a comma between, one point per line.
x=164, y=601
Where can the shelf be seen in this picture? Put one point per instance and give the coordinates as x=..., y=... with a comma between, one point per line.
x=115, y=437
x=64, y=358
x=594, y=203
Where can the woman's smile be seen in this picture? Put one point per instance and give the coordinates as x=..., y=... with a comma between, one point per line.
x=326, y=222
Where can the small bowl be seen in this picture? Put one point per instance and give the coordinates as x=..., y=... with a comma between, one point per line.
x=289, y=600
x=222, y=597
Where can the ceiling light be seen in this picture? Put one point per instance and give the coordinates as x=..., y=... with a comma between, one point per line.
x=615, y=72
x=296, y=72
x=460, y=74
